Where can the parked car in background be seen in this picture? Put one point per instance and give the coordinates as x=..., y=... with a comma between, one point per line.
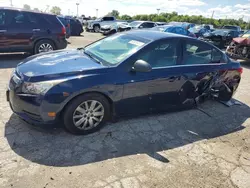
x=174, y=29
x=199, y=30
x=132, y=73
x=161, y=23
x=142, y=24
x=114, y=28
x=95, y=25
x=220, y=37
x=66, y=23
x=232, y=27
x=84, y=20
x=75, y=27
x=33, y=32
x=239, y=48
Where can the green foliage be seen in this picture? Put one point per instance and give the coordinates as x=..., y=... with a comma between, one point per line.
x=56, y=10
x=36, y=9
x=26, y=7
x=114, y=13
x=169, y=17
x=125, y=17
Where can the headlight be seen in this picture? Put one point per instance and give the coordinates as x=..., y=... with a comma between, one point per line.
x=39, y=88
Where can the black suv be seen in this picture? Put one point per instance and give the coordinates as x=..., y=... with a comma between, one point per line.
x=33, y=32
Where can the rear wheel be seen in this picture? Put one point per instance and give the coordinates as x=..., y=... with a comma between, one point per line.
x=86, y=114
x=44, y=46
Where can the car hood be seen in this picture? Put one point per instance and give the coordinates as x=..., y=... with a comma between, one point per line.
x=56, y=62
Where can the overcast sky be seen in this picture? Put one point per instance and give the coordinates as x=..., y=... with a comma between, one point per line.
x=222, y=8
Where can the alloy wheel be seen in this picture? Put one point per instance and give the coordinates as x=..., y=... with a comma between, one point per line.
x=96, y=29
x=45, y=47
x=88, y=115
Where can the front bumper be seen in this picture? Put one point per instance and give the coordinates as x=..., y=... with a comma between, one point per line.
x=28, y=108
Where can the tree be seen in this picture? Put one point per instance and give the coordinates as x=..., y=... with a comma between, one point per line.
x=56, y=10
x=126, y=17
x=114, y=13
x=36, y=9
x=26, y=7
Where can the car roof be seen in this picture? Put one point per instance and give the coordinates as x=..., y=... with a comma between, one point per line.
x=24, y=10
x=154, y=35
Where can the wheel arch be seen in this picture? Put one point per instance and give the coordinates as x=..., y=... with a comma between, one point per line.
x=38, y=40
x=110, y=101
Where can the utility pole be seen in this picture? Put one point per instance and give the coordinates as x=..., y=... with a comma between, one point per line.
x=68, y=11
x=212, y=15
x=77, y=4
x=158, y=11
x=11, y=3
x=96, y=13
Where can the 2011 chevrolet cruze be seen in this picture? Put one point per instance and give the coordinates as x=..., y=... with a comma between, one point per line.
x=129, y=73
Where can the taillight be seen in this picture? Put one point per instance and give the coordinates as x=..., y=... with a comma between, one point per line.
x=240, y=70
x=63, y=31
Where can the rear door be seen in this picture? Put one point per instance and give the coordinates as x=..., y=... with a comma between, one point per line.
x=20, y=31
x=3, y=30
x=201, y=63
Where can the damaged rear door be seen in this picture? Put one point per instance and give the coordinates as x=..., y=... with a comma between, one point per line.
x=201, y=64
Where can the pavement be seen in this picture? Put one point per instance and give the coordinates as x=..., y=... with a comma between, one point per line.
x=204, y=147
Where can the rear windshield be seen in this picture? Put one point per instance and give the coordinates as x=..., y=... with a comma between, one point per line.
x=230, y=27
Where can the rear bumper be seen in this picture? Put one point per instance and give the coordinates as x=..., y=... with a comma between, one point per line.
x=61, y=43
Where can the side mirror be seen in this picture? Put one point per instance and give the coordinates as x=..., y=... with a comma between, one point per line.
x=141, y=66
x=140, y=27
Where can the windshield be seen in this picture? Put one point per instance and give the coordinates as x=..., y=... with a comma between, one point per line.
x=113, y=50
x=220, y=32
x=135, y=24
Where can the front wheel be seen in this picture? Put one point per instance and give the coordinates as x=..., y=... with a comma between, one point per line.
x=86, y=114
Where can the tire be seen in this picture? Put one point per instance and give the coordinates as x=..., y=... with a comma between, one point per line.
x=96, y=28
x=71, y=111
x=45, y=42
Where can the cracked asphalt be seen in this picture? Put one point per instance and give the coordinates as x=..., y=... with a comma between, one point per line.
x=205, y=147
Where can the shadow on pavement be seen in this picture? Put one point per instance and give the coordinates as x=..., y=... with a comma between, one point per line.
x=143, y=135
x=11, y=60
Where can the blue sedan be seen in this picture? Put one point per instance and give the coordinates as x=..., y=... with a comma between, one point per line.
x=129, y=73
x=174, y=29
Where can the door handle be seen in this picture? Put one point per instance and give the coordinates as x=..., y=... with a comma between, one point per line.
x=3, y=31
x=35, y=30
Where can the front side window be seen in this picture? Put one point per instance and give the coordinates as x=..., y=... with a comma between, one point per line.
x=2, y=17
x=160, y=55
x=113, y=50
x=195, y=52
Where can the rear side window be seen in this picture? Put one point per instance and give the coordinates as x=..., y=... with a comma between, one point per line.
x=195, y=52
x=2, y=17
x=108, y=19
x=32, y=18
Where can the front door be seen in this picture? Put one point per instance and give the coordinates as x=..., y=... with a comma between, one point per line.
x=159, y=88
